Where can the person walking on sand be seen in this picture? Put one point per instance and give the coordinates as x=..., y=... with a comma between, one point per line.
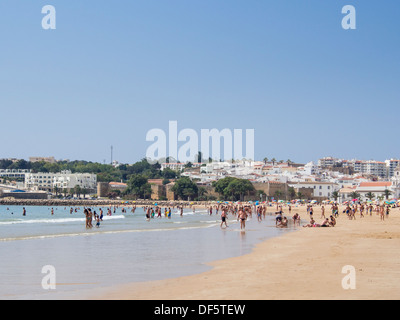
x=382, y=214
x=322, y=212
x=224, y=217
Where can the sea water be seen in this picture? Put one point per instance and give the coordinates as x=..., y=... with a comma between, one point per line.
x=125, y=248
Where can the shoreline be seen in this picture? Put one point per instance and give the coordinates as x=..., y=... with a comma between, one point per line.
x=97, y=202
x=305, y=264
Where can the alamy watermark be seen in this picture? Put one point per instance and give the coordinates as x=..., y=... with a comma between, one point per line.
x=49, y=280
x=349, y=20
x=225, y=144
x=49, y=20
x=349, y=280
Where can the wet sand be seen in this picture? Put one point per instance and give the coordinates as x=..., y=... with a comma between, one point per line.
x=306, y=264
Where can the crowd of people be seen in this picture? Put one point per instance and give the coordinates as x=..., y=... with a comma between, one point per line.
x=241, y=212
x=382, y=210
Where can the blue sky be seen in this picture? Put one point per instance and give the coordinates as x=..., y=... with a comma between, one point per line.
x=113, y=70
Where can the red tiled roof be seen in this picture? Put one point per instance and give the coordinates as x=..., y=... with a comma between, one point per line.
x=376, y=184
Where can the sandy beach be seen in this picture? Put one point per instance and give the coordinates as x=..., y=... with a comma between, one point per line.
x=305, y=264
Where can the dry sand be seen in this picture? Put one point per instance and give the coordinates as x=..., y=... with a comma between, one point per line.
x=305, y=264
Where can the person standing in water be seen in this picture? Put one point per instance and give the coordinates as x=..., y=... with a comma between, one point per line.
x=223, y=218
x=23, y=211
x=90, y=218
x=242, y=216
x=97, y=222
x=86, y=212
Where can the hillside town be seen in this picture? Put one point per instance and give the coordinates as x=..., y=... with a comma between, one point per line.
x=331, y=179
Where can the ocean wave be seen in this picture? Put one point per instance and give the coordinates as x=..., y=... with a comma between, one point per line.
x=55, y=220
x=96, y=231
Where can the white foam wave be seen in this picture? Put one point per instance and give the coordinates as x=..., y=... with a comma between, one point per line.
x=55, y=220
x=99, y=231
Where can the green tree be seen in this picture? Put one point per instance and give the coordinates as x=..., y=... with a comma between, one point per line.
x=221, y=184
x=201, y=192
x=292, y=193
x=300, y=195
x=56, y=190
x=185, y=188
x=335, y=195
x=189, y=165
x=354, y=195
x=138, y=186
x=233, y=188
x=370, y=195
x=168, y=173
x=78, y=190
x=237, y=188
x=387, y=193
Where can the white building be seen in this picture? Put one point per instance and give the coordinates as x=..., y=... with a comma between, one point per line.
x=309, y=169
x=392, y=165
x=328, y=162
x=62, y=180
x=320, y=189
x=14, y=173
x=378, y=189
x=178, y=166
x=371, y=167
x=396, y=177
